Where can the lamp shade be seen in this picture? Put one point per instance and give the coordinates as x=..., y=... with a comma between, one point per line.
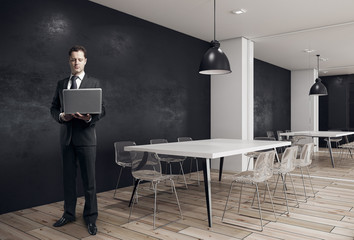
x=318, y=88
x=214, y=61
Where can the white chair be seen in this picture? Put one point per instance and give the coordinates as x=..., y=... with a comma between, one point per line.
x=283, y=169
x=169, y=159
x=270, y=134
x=335, y=140
x=185, y=139
x=147, y=167
x=304, y=161
x=253, y=155
x=263, y=170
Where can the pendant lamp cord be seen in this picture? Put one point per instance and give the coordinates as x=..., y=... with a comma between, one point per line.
x=318, y=65
x=214, y=20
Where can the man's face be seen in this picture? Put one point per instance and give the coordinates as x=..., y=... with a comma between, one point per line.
x=77, y=62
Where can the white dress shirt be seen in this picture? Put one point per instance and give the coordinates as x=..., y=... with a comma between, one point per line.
x=78, y=80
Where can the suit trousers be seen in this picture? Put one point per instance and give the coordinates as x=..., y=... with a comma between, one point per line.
x=85, y=156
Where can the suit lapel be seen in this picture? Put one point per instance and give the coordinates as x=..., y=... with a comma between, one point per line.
x=85, y=83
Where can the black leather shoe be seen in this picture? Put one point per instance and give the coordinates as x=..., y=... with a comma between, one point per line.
x=92, y=229
x=62, y=221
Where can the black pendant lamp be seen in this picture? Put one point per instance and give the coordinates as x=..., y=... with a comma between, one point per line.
x=318, y=88
x=214, y=60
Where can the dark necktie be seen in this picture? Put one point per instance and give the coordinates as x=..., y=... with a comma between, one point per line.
x=73, y=82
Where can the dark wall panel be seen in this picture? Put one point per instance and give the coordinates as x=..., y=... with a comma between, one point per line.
x=337, y=108
x=271, y=98
x=150, y=80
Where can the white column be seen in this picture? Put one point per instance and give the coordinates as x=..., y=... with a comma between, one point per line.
x=304, y=108
x=232, y=99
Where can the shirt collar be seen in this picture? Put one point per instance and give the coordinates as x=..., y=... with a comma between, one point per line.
x=81, y=75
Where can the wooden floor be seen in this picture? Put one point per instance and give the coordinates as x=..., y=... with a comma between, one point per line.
x=329, y=215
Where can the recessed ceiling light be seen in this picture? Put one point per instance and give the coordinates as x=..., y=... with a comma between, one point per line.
x=309, y=50
x=239, y=11
x=324, y=59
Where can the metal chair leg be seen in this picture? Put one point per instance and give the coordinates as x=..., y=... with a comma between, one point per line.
x=120, y=173
x=179, y=206
x=196, y=162
x=259, y=207
x=271, y=200
x=303, y=183
x=184, y=177
x=308, y=172
x=292, y=182
x=155, y=190
x=286, y=197
x=227, y=201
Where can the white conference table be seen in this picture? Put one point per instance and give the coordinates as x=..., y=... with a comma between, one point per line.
x=209, y=149
x=321, y=134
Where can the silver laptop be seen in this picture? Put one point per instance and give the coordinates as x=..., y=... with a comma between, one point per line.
x=85, y=100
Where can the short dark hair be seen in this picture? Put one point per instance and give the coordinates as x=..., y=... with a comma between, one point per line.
x=77, y=48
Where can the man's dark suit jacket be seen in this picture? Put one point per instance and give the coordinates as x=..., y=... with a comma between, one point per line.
x=75, y=130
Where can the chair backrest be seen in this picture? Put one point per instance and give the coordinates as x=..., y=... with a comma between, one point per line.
x=287, y=131
x=306, y=152
x=184, y=139
x=163, y=157
x=270, y=134
x=287, y=160
x=145, y=166
x=156, y=141
x=122, y=157
x=263, y=168
x=280, y=137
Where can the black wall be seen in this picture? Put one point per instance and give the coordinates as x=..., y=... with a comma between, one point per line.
x=150, y=80
x=272, y=95
x=337, y=108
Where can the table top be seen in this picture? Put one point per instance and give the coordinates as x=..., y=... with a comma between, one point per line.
x=209, y=148
x=318, y=133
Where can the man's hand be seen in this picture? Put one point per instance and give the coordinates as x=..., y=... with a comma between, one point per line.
x=86, y=117
x=66, y=117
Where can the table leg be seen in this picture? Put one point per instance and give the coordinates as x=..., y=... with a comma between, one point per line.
x=134, y=191
x=221, y=167
x=330, y=150
x=276, y=155
x=207, y=185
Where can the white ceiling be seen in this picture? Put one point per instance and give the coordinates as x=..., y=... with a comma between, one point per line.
x=280, y=29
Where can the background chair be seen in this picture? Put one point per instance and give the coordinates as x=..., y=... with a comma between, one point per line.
x=254, y=155
x=147, y=167
x=122, y=159
x=185, y=139
x=169, y=159
x=263, y=170
x=335, y=140
x=304, y=161
x=270, y=134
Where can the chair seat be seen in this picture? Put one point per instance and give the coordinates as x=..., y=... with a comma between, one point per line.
x=250, y=177
x=279, y=169
x=148, y=175
x=124, y=164
x=170, y=158
x=334, y=139
x=301, y=162
x=252, y=154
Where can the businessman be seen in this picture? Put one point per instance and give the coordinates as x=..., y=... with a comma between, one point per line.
x=77, y=142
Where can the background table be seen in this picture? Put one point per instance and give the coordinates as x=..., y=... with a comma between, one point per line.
x=209, y=149
x=321, y=134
